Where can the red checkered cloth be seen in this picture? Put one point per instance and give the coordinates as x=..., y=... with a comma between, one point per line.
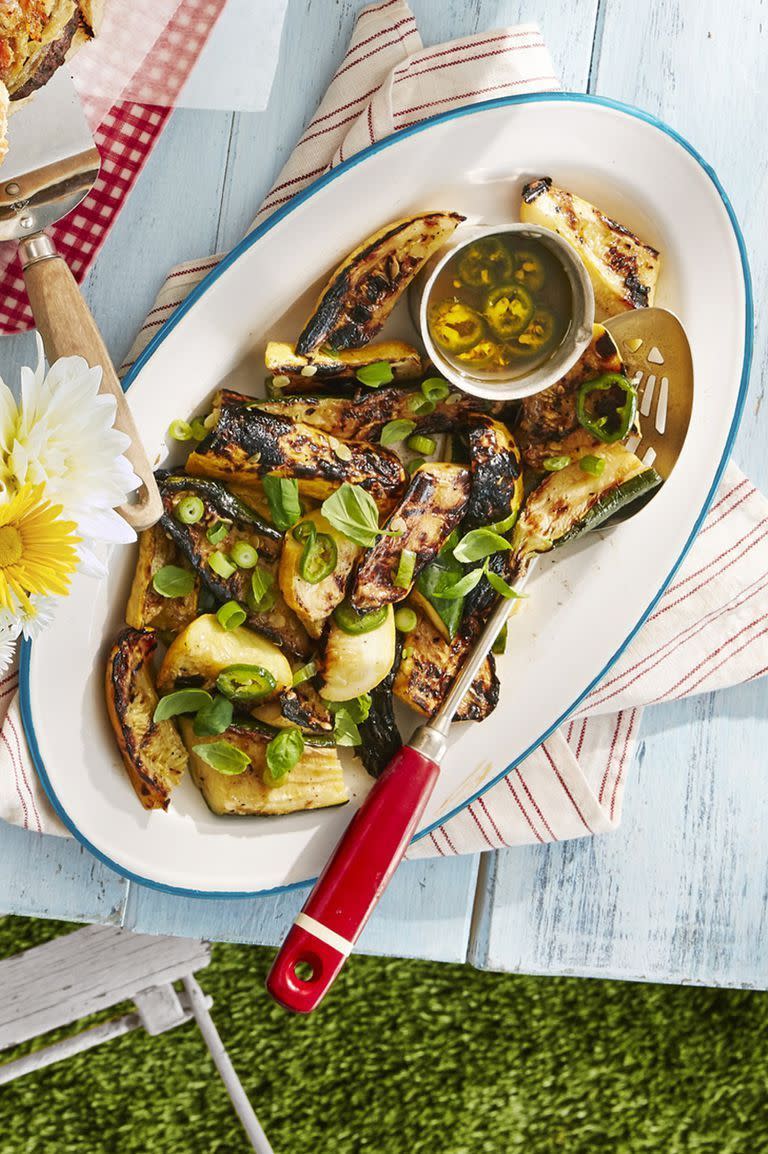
x=125, y=136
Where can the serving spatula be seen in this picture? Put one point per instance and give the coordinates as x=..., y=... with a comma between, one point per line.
x=51, y=166
x=656, y=354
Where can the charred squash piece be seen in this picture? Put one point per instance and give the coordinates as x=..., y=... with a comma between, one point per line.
x=546, y=418
x=352, y=664
x=146, y=608
x=497, y=474
x=380, y=736
x=247, y=442
x=313, y=603
x=623, y=268
x=242, y=523
x=429, y=667
x=363, y=416
x=199, y=654
x=315, y=782
x=317, y=371
x=365, y=287
x=301, y=706
x=153, y=753
x=431, y=509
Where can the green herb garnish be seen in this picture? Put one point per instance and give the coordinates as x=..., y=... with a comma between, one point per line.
x=223, y=756
x=171, y=581
x=283, y=496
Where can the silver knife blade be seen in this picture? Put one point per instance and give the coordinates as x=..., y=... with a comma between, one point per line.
x=51, y=163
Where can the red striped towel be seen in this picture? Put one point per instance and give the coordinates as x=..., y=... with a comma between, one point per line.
x=710, y=629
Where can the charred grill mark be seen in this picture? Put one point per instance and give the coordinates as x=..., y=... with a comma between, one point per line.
x=433, y=506
x=496, y=467
x=380, y=736
x=248, y=442
x=341, y=318
x=535, y=188
x=425, y=677
x=305, y=709
x=51, y=59
x=625, y=265
x=131, y=653
x=604, y=346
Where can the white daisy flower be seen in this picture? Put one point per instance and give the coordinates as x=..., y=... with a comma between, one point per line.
x=61, y=435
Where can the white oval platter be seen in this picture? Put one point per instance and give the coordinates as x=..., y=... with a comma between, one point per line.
x=583, y=608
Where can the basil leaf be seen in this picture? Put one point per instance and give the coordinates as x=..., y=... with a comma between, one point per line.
x=478, y=544
x=183, y=701
x=353, y=512
x=214, y=717
x=283, y=496
x=395, y=431
x=379, y=373
x=223, y=756
x=261, y=584
x=171, y=581
x=445, y=569
x=450, y=590
x=345, y=730
x=357, y=708
x=284, y=752
x=501, y=586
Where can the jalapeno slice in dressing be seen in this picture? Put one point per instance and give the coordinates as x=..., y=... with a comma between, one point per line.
x=485, y=262
x=598, y=413
x=529, y=271
x=455, y=326
x=508, y=310
x=538, y=336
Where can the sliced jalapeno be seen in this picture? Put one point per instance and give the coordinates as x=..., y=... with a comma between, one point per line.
x=455, y=326
x=348, y=618
x=539, y=333
x=245, y=684
x=529, y=270
x=486, y=354
x=485, y=263
x=508, y=310
x=318, y=560
x=606, y=407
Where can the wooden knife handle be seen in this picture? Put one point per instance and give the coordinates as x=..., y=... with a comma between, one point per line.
x=68, y=329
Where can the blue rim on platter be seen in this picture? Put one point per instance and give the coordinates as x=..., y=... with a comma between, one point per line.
x=243, y=246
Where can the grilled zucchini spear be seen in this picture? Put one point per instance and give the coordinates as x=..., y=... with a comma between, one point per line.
x=623, y=268
x=364, y=289
x=571, y=502
x=430, y=510
x=146, y=608
x=317, y=371
x=362, y=417
x=313, y=601
x=315, y=782
x=353, y=663
x=247, y=442
x=152, y=752
x=227, y=520
x=497, y=474
x=548, y=425
x=429, y=667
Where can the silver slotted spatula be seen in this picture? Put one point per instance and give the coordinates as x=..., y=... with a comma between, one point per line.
x=656, y=354
x=51, y=166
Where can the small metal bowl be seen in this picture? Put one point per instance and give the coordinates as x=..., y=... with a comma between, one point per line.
x=573, y=344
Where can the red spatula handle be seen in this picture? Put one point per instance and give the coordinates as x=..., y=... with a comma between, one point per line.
x=352, y=883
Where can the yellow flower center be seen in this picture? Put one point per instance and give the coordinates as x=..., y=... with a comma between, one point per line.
x=10, y=545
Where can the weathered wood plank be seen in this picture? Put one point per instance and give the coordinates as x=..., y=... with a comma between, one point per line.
x=53, y=877
x=425, y=913
x=679, y=894
x=84, y=972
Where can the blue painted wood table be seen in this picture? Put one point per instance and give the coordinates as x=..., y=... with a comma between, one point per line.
x=680, y=893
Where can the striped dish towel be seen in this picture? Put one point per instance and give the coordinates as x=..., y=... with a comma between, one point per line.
x=710, y=628
x=164, y=37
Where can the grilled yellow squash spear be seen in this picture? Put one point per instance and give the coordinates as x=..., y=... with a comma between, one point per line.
x=622, y=267
x=365, y=287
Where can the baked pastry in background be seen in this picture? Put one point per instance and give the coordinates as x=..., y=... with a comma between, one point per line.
x=4, y=102
x=37, y=36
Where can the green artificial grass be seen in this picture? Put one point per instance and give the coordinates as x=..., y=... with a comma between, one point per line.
x=416, y=1058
